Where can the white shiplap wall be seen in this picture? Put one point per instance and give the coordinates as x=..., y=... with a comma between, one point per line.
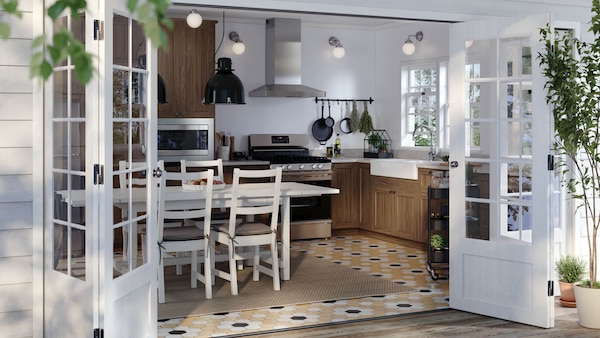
x=16, y=178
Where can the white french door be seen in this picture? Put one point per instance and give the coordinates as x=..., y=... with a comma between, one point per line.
x=98, y=281
x=500, y=184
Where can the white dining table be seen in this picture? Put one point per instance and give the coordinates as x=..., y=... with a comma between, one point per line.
x=182, y=198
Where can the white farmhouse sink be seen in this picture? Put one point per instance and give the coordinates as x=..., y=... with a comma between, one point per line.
x=398, y=168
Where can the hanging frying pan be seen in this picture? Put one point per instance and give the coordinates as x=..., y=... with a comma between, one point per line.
x=329, y=121
x=321, y=132
x=345, y=125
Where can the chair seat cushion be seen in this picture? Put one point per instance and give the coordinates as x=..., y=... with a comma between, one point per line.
x=184, y=233
x=247, y=229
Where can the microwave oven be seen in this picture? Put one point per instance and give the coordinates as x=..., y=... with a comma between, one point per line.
x=185, y=138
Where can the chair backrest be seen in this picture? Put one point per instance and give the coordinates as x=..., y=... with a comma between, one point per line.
x=127, y=178
x=264, y=196
x=175, y=212
x=216, y=165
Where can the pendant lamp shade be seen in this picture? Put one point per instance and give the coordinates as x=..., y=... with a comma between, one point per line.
x=224, y=86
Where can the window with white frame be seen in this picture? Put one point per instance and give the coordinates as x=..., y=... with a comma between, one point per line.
x=425, y=98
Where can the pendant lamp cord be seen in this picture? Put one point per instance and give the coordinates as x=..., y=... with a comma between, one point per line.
x=222, y=37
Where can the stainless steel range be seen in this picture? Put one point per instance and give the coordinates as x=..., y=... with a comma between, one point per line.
x=310, y=216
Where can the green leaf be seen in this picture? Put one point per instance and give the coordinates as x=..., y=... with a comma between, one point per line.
x=4, y=30
x=131, y=5
x=56, y=10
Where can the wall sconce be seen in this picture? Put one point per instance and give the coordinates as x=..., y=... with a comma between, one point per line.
x=338, y=49
x=238, y=46
x=409, y=47
x=194, y=19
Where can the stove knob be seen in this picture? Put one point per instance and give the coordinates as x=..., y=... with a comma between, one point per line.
x=315, y=166
x=301, y=167
x=289, y=167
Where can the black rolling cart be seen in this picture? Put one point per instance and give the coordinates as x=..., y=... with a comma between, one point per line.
x=438, y=232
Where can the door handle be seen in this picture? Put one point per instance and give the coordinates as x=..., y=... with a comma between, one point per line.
x=454, y=164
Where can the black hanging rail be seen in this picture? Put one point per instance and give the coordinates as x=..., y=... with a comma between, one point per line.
x=370, y=100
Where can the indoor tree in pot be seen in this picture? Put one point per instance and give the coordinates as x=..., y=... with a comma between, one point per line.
x=572, y=71
x=570, y=270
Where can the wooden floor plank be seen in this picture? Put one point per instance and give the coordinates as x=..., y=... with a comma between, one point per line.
x=444, y=323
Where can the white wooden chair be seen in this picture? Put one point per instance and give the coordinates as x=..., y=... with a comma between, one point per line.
x=265, y=200
x=218, y=215
x=185, y=239
x=126, y=180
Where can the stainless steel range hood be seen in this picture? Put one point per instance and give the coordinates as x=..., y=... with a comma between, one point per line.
x=283, y=62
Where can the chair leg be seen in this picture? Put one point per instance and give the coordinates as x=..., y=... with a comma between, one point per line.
x=233, y=269
x=275, y=265
x=256, y=264
x=194, y=268
x=208, y=273
x=161, y=280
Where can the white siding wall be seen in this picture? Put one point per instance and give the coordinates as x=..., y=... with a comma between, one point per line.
x=16, y=179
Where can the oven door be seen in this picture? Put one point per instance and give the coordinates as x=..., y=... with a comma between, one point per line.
x=310, y=217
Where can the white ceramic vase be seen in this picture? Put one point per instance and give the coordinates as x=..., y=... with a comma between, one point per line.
x=588, y=306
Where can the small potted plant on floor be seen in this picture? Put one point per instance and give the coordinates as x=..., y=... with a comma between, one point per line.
x=570, y=270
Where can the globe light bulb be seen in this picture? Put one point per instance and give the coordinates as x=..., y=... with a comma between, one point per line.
x=408, y=48
x=339, y=52
x=194, y=19
x=238, y=48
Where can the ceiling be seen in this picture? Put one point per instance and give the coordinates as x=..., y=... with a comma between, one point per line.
x=253, y=15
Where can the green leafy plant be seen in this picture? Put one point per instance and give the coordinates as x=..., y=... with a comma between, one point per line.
x=438, y=242
x=570, y=269
x=49, y=51
x=572, y=70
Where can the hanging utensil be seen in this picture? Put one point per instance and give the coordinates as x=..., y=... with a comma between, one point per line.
x=345, y=122
x=321, y=132
x=329, y=121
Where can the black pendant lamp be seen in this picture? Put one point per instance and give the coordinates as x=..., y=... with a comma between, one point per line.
x=161, y=92
x=224, y=86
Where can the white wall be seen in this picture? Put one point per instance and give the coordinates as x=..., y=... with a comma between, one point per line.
x=16, y=179
x=370, y=68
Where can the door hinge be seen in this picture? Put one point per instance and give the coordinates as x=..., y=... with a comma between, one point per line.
x=98, y=174
x=550, y=288
x=98, y=333
x=550, y=162
x=98, y=30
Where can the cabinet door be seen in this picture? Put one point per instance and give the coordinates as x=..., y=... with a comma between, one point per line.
x=344, y=206
x=365, y=207
x=384, y=210
x=186, y=67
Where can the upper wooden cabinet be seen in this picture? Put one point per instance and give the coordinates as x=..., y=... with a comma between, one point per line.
x=186, y=67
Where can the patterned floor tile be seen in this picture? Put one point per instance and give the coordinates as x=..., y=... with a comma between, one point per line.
x=379, y=258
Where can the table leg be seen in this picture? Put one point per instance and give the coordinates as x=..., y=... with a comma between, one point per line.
x=285, y=238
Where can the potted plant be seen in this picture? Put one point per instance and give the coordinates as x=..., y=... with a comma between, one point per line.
x=570, y=270
x=438, y=242
x=572, y=74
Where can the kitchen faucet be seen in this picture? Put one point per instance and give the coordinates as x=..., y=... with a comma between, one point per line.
x=432, y=152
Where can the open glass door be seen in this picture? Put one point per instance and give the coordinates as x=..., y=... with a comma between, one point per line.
x=128, y=273
x=98, y=280
x=500, y=220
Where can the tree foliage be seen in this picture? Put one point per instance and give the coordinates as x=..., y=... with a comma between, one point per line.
x=52, y=50
x=572, y=69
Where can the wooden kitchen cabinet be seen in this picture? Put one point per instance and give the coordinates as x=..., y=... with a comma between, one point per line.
x=344, y=206
x=395, y=208
x=186, y=67
x=365, y=206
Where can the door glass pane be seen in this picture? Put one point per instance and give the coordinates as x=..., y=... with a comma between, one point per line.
x=68, y=163
x=129, y=145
